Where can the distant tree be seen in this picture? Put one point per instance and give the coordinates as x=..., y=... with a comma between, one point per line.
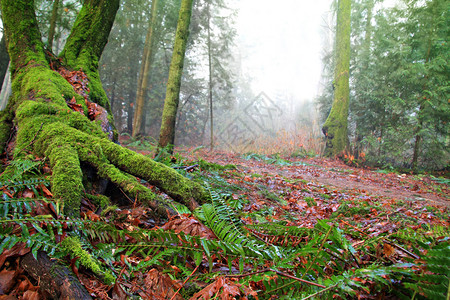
x=428, y=34
x=209, y=78
x=52, y=28
x=147, y=59
x=335, y=127
x=121, y=60
x=400, y=86
x=167, y=132
x=360, y=63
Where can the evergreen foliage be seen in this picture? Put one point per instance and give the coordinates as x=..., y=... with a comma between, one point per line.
x=399, y=115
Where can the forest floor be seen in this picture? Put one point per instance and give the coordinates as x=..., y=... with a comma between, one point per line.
x=334, y=174
x=303, y=212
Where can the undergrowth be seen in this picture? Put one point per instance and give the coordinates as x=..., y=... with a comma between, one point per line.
x=335, y=258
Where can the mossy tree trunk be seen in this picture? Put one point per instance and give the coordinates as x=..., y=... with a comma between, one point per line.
x=167, y=132
x=41, y=103
x=147, y=58
x=335, y=128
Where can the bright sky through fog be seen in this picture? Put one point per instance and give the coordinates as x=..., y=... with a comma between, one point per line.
x=283, y=43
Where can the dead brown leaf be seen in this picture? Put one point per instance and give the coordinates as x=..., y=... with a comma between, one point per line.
x=225, y=288
x=31, y=295
x=118, y=293
x=161, y=284
x=18, y=250
x=189, y=226
x=7, y=280
x=388, y=250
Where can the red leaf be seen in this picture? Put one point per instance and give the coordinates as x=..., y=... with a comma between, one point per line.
x=46, y=191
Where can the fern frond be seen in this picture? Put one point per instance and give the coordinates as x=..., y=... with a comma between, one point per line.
x=21, y=184
x=434, y=282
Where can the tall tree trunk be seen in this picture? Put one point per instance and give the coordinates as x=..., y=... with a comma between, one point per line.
x=418, y=137
x=147, y=58
x=365, y=68
x=51, y=30
x=57, y=117
x=335, y=128
x=167, y=132
x=211, y=115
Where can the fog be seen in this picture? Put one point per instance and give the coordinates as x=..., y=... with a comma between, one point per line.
x=282, y=44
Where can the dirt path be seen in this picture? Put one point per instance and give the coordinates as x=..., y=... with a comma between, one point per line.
x=336, y=175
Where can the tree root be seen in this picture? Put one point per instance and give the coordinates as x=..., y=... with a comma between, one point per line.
x=55, y=279
x=66, y=147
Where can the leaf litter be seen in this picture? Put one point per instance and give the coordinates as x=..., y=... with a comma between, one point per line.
x=364, y=205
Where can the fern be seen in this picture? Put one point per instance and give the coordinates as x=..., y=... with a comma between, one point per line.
x=225, y=224
x=18, y=185
x=433, y=282
x=18, y=206
x=428, y=235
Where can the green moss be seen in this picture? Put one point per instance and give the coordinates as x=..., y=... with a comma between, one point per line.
x=72, y=246
x=48, y=127
x=100, y=200
x=5, y=128
x=66, y=178
x=167, y=131
x=204, y=165
x=168, y=180
x=335, y=127
x=23, y=31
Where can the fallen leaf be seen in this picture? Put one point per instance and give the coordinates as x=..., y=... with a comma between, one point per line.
x=7, y=280
x=18, y=250
x=46, y=191
x=161, y=284
x=189, y=226
x=118, y=292
x=31, y=295
x=388, y=250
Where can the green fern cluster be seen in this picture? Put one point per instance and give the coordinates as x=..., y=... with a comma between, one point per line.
x=275, y=259
x=434, y=280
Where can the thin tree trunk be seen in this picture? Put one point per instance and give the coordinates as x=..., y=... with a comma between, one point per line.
x=418, y=138
x=51, y=31
x=365, y=67
x=130, y=106
x=211, y=116
x=167, y=132
x=335, y=128
x=147, y=59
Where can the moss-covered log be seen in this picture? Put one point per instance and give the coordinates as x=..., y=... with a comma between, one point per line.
x=53, y=118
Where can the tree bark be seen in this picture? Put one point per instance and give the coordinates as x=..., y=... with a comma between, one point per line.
x=55, y=280
x=51, y=30
x=211, y=115
x=147, y=59
x=41, y=107
x=167, y=132
x=335, y=128
x=364, y=70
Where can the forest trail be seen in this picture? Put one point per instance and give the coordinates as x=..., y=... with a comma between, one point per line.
x=335, y=175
